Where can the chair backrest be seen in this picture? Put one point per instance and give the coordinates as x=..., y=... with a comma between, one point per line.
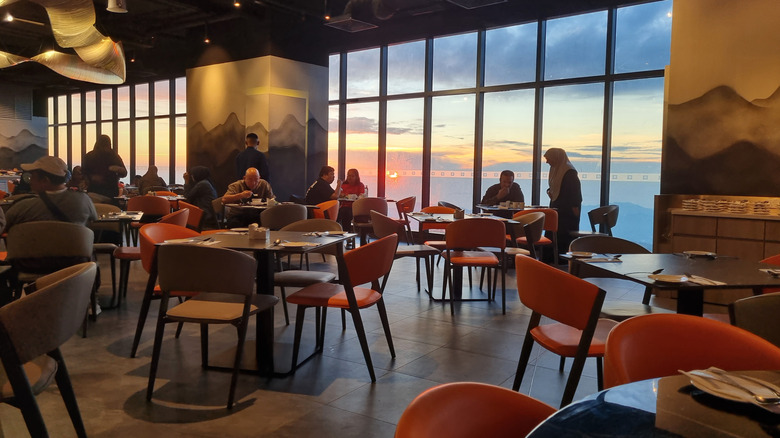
x=607, y=245
x=604, y=217
x=178, y=217
x=312, y=225
x=758, y=315
x=449, y=205
x=405, y=206
x=165, y=192
x=550, y=217
x=657, y=345
x=476, y=232
x=437, y=209
x=384, y=225
x=327, y=210
x=557, y=294
x=195, y=219
x=193, y=268
x=46, y=246
x=532, y=225
x=363, y=206
x=152, y=234
x=219, y=210
x=469, y=409
x=42, y=321
x=150, y=205
x=772, y=260
x=368, y=263
x=105, y=210
x=278, y=216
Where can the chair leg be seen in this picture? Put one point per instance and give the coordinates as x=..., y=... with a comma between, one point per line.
x=525, y=355
x=417, y=272
x=158, y=337
x=562, y=364
x=25, y=400
x=147, y=301
x=237, y=364
x=503, y=289
x=284, y=305
x=429, y=273
x=299, y=315
x=573, y=381
x=385, y=325
x=67, y=393
x=204, y=345
x=361, y=332
x=321, y=328
x=648, y=294
x=343, y=320
x=600, y=373
x=112, y=260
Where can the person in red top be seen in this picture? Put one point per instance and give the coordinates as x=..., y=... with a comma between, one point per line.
x=352, y=186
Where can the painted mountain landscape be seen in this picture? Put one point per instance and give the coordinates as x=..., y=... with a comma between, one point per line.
x=24, y=147
x=722, y=144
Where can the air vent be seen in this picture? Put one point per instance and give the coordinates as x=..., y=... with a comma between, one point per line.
x=15, y=104
x=473, y=4
x=349, y=24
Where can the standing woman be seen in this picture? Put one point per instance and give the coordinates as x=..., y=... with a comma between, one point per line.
x=565, y=195
x=199, y=192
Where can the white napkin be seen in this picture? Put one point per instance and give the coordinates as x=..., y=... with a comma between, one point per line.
x=704, y=281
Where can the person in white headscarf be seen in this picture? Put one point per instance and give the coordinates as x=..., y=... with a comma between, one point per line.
x=565, y=195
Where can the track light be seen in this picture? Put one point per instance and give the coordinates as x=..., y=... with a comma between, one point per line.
x=118, y=6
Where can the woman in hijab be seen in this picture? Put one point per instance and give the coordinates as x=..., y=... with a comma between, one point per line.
x=199, y=192
x=149, y=180
x=102, y=168
x=565, y=195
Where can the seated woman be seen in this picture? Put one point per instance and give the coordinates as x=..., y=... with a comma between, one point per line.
x=199, y=192
x=352, y=186
x=149, y=180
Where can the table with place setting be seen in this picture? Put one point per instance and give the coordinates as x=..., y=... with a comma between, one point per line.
x=702, y=403
x=124, y=218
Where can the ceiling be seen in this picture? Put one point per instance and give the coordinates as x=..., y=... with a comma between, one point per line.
x=165, y=37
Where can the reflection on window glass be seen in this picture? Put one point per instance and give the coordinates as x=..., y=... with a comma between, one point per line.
x=122, y=142
x=636, y=156
x=62, y=133
x=90, y=106
x=363, y=73
x=508, y=138
x=181, y=150
x=643, y=37
x=455, y=62
x=510, y=54
x=181, y=96
x=406, y=68
x=123, y=102
x=362, y=142
x=50, y=112
x=333, y=137
x=141, y=146
x=52, y=152
x=404, y=149
x=576, y=46
x=333, y=76
x=106, y=104
x=452, y=150
x=162, y=103
x=573, y=120
x=142, y=100
x=162, y=148
x=62, y=109
x=75, y=152
x=75, y=108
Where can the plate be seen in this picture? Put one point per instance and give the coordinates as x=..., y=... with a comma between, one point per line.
x=668, y=278
x=296, y=244
x=580, y=254
x=240, y=230
x=337, y=233
x=699, y=254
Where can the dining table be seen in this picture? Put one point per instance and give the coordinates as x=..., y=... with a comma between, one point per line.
x=688, y=274
x=124, y=218
x=278, y=243
x=662, y=407
x=504, y=210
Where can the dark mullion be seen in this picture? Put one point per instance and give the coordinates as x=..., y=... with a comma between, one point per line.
x=536, y=179
x=172, y=131
x=427, y=121
x=342, y=154
x=83, y=145
x=132, y=170
x=609, y=91
x=152, y=120
x=115, y=118
x=382, y=146
x=69, y=131
x=55, y=107
x=479, y=112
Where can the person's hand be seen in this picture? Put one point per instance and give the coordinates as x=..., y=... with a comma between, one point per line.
x=186, y=176
x=503, y=192
x=246, y=194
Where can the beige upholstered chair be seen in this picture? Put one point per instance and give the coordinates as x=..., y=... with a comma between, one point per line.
x=31, y=332
x=278, y=216
x=361, y=215
x=758, y=315
x=227, y=298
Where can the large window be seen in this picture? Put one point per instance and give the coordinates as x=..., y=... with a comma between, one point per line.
x=140, y=139
x=596, y=91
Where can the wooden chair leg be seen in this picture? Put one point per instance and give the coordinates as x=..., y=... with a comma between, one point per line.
x=68, y=395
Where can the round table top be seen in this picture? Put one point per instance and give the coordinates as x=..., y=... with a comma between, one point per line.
x=664, y=407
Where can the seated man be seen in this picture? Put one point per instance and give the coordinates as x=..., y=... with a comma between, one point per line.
x=244, y=190
x=505, y=190
x=54, y=202
x=321, y=190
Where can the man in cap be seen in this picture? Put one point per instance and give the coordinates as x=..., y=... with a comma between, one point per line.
x=54, y=202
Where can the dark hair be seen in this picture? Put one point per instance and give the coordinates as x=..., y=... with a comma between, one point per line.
x=252, y=135
x=326, y=170
x=508, y=173
x=356, y=173
x=54, y=179
x=200, y=173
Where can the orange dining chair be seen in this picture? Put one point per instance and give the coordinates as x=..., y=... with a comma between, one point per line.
x=385, y=226
x=463, y=240
x=192, y=268
x=195, y=219
x=650, y=346
x=531, y=226
x=404, y=207
x=550, y=224
x=153, y=207
x=370, y=263
x=151, y=235
x=429, y=228
x=327, y=210
x=470, y=409
x=575, y=305
x=178, y=217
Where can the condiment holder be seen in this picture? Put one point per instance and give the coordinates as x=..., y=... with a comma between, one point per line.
x=259, y=233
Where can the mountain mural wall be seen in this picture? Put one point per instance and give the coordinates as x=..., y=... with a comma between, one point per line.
x=723, y=144
x=24, y=147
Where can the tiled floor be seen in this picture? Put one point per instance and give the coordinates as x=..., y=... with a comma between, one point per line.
x=331, y=395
